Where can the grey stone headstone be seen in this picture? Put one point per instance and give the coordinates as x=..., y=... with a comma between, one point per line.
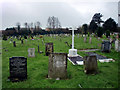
x=57, y=65
x=31, y=52
x=117, y=45
x=90, y=40
x=106, y=46
x=85, y=39
x=90, y=64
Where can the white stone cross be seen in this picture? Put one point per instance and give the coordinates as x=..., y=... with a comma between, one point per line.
x=72, y=52
x=73, y=28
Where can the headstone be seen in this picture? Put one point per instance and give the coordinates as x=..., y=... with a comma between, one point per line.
x=117, y=45
x=31, y=52
x=38, y=49
x=18, y=68
x=57, y=66
x=85, y=39
x=111, y=40
x=90, y=64
x=22, y=41
x=48, y=48
x=43, y=42
x=90, y=40
x=106, y=46
x=14, y=43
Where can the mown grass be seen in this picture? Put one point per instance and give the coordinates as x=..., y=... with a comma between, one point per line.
x=38, y=67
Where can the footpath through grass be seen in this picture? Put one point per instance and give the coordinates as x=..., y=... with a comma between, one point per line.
x=38, y=67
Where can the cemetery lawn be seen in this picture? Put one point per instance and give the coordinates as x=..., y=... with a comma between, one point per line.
x=37, y=67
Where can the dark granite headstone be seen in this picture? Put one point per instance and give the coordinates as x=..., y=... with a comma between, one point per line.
x=38, y=49
x=106, y=46
x=18, y=68
x=48, y=48
x=14, y=43
x=22, y=41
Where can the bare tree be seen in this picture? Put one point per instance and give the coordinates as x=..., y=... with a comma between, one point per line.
x=18, y=26
x=26, y=25
x=38, y=25
x=53, y=23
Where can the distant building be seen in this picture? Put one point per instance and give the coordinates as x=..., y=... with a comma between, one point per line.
x=119, y=14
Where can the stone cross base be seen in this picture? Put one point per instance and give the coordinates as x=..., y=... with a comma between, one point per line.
x=73, y=53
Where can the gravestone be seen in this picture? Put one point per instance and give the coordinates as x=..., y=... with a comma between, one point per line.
x=90, y=64
x=85, y=39
x=31, y=52
x=43, y=42
x=57, y=67
x=38, y=49
x=14, y=43
x=106, y=46
x=90, y=40
x=22, y=41
x=117, y=45
x=48, y=48
x=18, y=68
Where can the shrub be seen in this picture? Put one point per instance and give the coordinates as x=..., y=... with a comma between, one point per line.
x=99, y=31
x=4, y=37
x=107, y=33
x=25, y=37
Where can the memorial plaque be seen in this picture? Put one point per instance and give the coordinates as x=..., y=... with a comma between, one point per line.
x=18, y=68
x=106, y=46
x=57, y=65
x=48, y=48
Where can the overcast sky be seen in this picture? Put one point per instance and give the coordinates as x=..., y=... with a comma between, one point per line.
x=69, y=13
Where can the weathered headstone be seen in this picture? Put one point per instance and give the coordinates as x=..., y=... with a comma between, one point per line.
x=90, y=64
x=38, y=49
x=90, y=40
x=57, y=65
x=117, y=45
x=48, y=48
x=31, y=52
x=85, y=39
x=22, y=41
x=18, y=68
x=106, y=46
x=14, y=43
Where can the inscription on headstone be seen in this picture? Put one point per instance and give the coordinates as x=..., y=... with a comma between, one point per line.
x=48, y=48
x=57, y=65
x=18, y=68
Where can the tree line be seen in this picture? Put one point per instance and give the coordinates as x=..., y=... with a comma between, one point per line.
x=96, y=25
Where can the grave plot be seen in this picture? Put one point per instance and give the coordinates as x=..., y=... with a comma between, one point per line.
x=78, y=60
x=100, y=57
